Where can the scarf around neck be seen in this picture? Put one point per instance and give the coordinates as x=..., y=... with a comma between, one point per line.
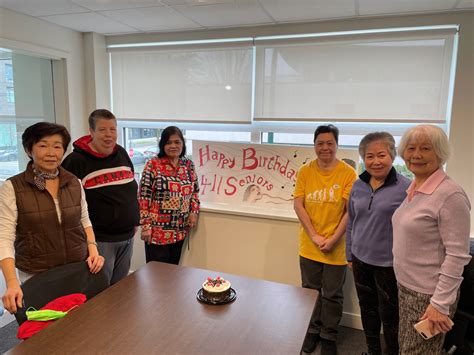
x=41, y=177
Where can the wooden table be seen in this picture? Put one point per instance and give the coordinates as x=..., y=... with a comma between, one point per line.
x=155, y=310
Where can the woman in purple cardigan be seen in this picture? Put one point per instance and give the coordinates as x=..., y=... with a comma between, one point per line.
x=430, y=240
x=374, y=197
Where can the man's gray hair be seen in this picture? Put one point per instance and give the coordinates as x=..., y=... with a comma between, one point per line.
x=99, y=114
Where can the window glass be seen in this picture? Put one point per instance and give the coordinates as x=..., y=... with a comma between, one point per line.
x=10, y=95
x=345, y=140
x=142, y=143
x=364, y=79
x=213, y=84
x=348, y=141
x=25, y=98
x=8, y=71
x=360, y=82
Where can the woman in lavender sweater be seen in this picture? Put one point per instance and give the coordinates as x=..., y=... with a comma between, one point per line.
x=430, y=240
x=374, y=197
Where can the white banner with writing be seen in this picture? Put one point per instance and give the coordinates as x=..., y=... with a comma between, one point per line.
x=252, y=178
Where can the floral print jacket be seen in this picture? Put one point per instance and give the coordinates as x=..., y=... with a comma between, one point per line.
x=167, y=195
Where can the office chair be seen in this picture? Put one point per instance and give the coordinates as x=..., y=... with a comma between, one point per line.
x=60, y=281
x=464, y=316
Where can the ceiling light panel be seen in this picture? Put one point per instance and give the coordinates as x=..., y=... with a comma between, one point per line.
x=90, y=22
x=226, y=15
x=196, y=2
x=153, y=19
x=465, y=4
x=377, y=7
x=101, y=5
x=45, y=8
x=307, y=10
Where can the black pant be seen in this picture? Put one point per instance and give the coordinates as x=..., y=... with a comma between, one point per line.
x=328, y=280
x=378, y=299
x=169, y=253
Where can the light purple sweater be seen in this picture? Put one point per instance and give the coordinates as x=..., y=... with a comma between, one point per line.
x=431, y=239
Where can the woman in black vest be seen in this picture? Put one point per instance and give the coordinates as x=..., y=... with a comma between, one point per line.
x=44, y=221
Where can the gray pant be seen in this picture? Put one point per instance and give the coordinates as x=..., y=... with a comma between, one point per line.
x=328, y=280
x=412, y=306
x=118, y=257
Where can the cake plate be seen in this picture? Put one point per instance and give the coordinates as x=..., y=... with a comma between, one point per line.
x=232, y=296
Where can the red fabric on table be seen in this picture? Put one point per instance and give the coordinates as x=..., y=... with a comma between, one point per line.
x=63, y=304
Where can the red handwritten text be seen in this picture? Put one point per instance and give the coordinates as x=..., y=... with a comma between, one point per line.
x=222, y=160
x=228, y=185
x=251, y=161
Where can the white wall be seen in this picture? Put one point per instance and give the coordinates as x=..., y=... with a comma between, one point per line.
x=97, y=72
x=32, y=36
x=268, y=249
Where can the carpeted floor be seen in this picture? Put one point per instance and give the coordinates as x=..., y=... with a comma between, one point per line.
x=351, y=341
x=8, y=337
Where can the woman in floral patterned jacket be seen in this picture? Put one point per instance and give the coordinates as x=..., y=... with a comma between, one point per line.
x=169, y=199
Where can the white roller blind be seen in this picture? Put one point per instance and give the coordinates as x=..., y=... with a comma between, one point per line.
x=399, y=78
x=183, y=84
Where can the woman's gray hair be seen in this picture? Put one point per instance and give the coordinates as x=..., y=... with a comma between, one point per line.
x=436, y=135
x=384, y=137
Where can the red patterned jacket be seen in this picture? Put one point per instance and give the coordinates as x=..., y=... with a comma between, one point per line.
x=167, y=195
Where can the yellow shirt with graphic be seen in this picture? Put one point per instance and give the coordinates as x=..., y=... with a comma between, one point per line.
x=324, y=197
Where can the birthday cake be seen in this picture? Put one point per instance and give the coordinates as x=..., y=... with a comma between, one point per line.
x=216, y=290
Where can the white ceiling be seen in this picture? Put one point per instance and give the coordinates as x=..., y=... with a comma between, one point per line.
x=111, y=17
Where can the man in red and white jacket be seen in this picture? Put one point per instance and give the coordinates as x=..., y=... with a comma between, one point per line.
x=107, y=175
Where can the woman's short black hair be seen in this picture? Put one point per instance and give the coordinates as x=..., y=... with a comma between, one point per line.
x=33, y=134
x=165, y=137
x=330, y=128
